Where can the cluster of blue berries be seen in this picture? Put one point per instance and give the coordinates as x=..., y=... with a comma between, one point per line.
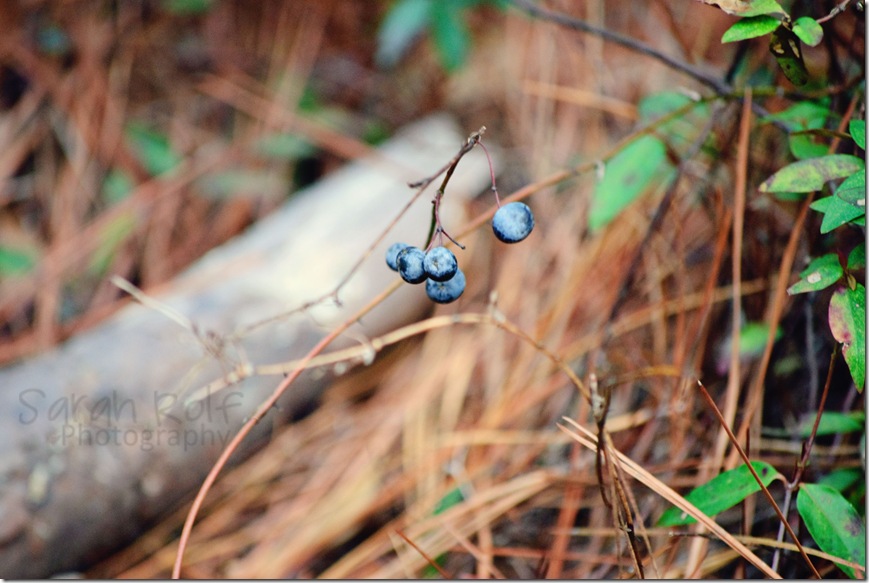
x=438, y=267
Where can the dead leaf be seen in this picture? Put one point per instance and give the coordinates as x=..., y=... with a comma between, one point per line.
x=735, y=7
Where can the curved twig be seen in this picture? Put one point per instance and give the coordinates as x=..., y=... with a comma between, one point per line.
x=531, y=8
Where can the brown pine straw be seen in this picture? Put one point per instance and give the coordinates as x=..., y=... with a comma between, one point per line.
x=256, y=418
x=416, y=329
x=588, y=439
x=234, y=443
x=377, y=344
x=699, y=546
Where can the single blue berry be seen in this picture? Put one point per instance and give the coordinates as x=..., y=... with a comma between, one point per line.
x=409, y=261
x=392, y=255
x=440, y=264
x=444, y=292
x=513, y=222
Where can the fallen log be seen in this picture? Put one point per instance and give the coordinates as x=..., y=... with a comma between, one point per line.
x=99, y=437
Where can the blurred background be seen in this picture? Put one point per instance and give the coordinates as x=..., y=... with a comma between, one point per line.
x=135, y=136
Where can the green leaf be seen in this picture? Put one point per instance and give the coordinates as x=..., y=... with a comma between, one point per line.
x=802, y=115
x=808, y=30
x=833, y=422
x=751, y=27
x=847, y=317
x=309, y=101
x=404, y=22
x=15, y=261
x=786, y=365
x=790, y=196
x=722, y=492
x=627, y=175
x=657, y=105
x=842, y=479
x=449, y=500
x=450, y=33
x=806, y=145
x=837, y=212
x=833, y=523
x=284, y=146
x=857, y=129
x=117, y=186
x=375, y=132
x=111, y=237
x=764, y=7
x=853, y=189
x=187, y=7
x=682, y=130
x=799, y=119
x=53, y=40
x=785, y=47
x=239, y=183
x=857, y=258
x=811, y=143
x=152, y=149
x=810, y=175
x=752, y=338
x=822, y=272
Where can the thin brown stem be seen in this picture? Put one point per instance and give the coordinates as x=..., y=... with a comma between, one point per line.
x=432, y=563
x=807, y=450
x=760, y=483
x=491, y=173
x=469, y=144
x=837, y=9
x=437, y=229
x=531, y=8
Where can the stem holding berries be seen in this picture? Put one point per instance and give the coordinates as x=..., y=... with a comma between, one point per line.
x=437, y=230
x=469, y=144
x=491, y=171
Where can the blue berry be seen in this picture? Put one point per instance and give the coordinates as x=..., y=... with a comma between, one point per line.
x=409, y=261
x=392, y=255
x=440, y=264
x=513, y=222
x=444, y=292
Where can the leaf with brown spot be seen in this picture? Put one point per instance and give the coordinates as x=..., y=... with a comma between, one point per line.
x=811, y=174
x=847, y=317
